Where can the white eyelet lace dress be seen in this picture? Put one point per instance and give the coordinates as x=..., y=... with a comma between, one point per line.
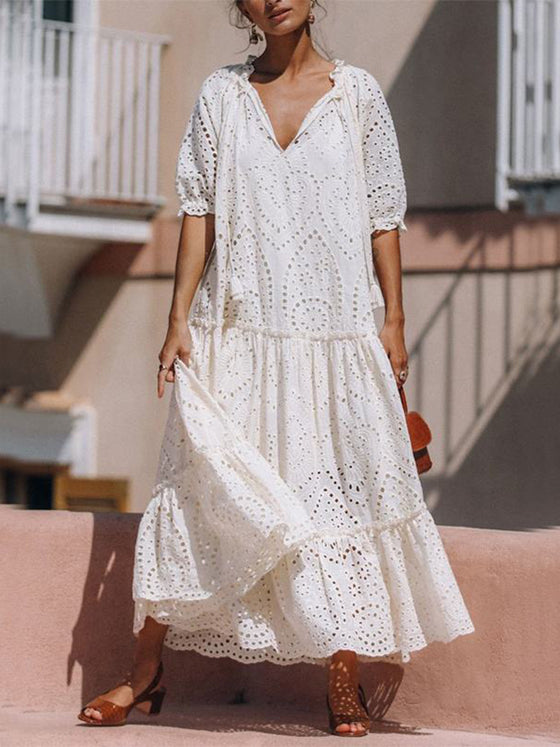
x=287, y=519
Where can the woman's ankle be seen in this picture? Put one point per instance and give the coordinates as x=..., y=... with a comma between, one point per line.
x=143, y=673
x=343, y=674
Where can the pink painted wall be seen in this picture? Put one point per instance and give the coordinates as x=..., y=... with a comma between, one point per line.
x=67, y=613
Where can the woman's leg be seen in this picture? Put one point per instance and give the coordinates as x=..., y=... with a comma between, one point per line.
x=147, y=655
x=343, y=688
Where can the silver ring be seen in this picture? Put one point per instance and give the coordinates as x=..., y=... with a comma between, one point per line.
x=162, y=367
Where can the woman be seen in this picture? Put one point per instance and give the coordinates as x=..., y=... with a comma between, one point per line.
x=287, y=522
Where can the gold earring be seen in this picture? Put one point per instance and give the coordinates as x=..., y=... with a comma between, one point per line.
x=311, y=16
x=254, y=36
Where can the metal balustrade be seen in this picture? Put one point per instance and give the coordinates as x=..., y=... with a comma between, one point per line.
x=528, y=114
x=79, y=113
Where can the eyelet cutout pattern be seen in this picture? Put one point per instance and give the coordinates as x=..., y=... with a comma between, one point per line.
x=287, y=518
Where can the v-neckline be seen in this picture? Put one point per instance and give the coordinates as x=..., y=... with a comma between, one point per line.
x=249, y=68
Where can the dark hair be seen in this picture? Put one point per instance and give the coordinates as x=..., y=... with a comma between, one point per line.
x=240, y=21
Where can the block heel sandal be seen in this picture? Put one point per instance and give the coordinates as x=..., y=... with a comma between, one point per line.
x=336, y=719
x=149, y=701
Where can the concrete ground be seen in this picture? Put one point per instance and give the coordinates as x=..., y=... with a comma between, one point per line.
x=230, y=725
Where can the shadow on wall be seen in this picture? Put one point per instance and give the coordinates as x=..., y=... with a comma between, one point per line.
x=45, y=363
x=102, y=648
x=102, y=641
x=486, y=364
x=443, y=101
x=510, y=478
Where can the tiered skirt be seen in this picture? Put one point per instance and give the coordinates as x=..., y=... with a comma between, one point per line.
x=287, y=519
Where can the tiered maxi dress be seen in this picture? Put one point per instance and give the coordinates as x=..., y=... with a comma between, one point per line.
x=287, y=519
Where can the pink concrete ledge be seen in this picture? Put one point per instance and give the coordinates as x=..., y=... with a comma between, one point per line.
x=66, y=619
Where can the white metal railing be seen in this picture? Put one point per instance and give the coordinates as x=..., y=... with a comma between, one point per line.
x=79, y=111
x=528, y=114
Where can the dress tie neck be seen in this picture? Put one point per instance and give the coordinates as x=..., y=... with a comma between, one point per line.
x=246, y=68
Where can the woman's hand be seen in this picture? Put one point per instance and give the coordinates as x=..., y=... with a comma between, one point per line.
x=392, y=338
x=178, y=343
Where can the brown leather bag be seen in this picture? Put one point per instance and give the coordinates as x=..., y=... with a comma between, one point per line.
x=420, y=435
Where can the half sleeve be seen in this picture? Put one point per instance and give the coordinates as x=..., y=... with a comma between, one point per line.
x=195, y=176
x=385, y=184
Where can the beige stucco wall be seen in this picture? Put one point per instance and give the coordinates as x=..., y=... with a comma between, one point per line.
x=436, y=63
x=481, y=379
x=483, y=343
x=482, y=336
x=116, y=371
x=484, y=371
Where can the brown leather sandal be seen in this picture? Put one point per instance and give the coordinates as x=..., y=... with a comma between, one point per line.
x=336, y=719
x=149, y=701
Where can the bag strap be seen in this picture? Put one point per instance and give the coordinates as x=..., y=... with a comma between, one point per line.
x=403, y=398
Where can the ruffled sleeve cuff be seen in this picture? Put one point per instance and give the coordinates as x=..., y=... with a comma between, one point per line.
x=387, y=224
x=195, y=207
